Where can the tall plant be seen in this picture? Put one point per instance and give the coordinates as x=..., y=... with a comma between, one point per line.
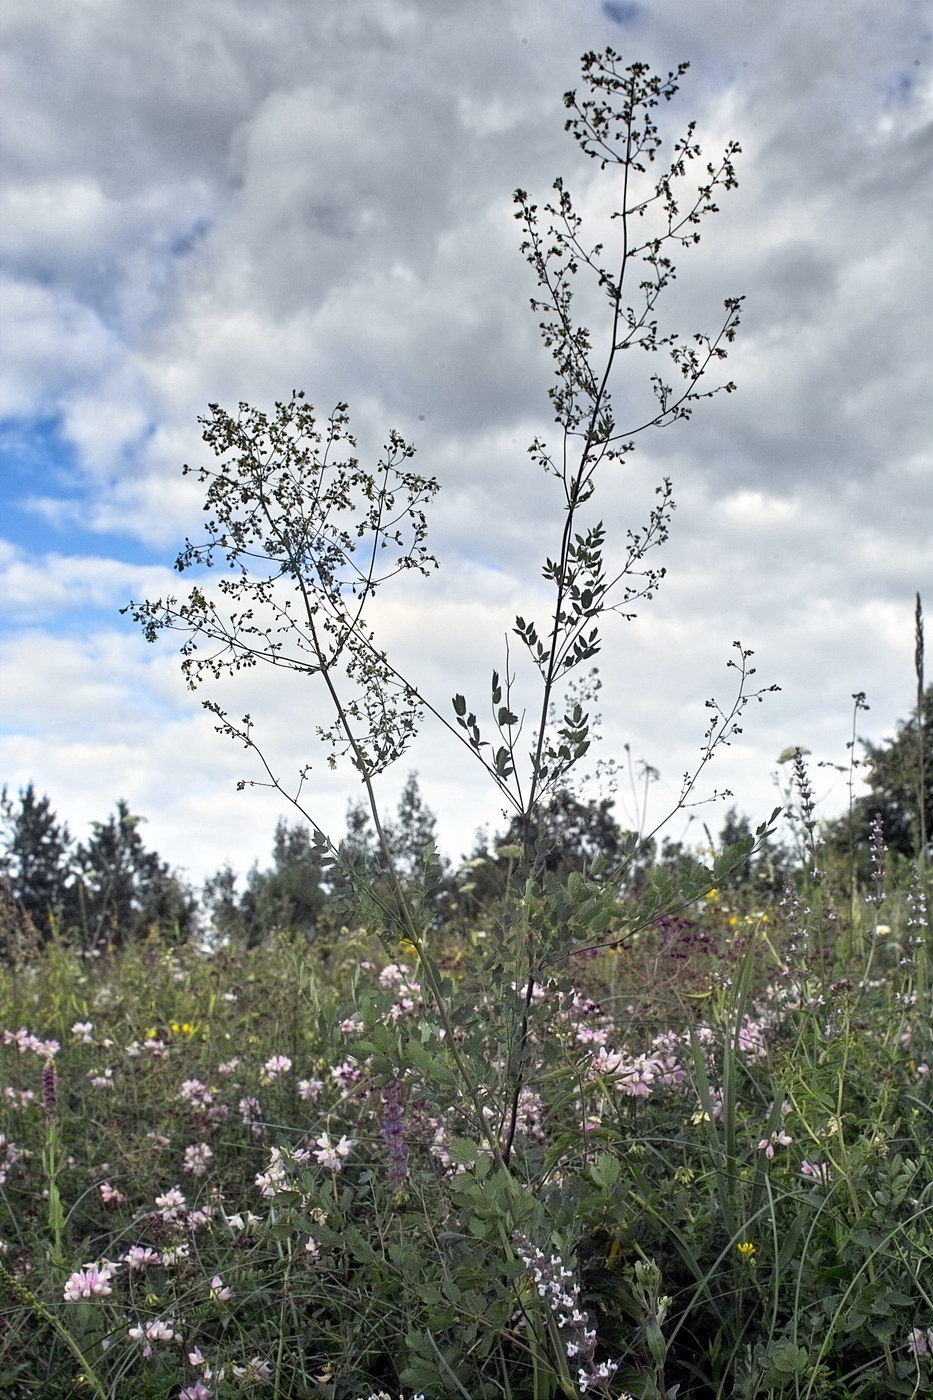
x=305, y=531
x=305, y=536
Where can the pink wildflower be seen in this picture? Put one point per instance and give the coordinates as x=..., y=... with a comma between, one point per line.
x=817, y=1171
x=140, y=1256
x=175, y=1255
x=276, y=1178
x=346, y=1074
x=276, y=1065
x=198, y=1391
x=172, y=1204
x=196, y=1158
x=197, y=1094
x=93, y=1281
x=920, y=1341
x=254, y=1371
x=9, y=1155
x=331, y=1155
x=149, y=1332
x=768, y=1144
x=250, y=1111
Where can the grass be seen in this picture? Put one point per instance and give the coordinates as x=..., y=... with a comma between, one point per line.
x=231, y=1172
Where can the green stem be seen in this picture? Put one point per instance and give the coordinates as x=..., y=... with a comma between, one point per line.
x=35, y=1305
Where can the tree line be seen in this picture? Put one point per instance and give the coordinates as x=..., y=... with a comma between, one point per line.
x=111, y=888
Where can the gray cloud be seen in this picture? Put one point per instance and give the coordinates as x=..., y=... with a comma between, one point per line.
x=221, y=202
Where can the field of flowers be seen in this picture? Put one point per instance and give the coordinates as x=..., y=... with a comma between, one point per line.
x=698, y=1165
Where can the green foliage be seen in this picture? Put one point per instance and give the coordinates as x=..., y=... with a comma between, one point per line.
x=105, y=889
x=629, y=1136
x=287, y=896
x=36, y=855
x=637, y=1152
x=890, y=772
x=122, y=889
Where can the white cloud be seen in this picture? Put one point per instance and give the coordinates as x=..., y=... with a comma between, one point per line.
x=50, y=586
x=220, y=202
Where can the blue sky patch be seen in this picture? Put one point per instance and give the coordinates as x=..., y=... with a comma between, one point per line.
x=37, y=463
x=621, y=11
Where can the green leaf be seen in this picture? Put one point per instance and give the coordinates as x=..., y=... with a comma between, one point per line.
x=605, y=1170
x=430, y=1066
x=462, y=1151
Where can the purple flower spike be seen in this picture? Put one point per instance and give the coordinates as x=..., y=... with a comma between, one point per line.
x=393, y=1130
x=49, y=1086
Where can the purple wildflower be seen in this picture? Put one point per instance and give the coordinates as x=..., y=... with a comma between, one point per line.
x=49, y=1087
x=393, y=1130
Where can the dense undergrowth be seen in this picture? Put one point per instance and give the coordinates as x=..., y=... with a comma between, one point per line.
x=232, y=1171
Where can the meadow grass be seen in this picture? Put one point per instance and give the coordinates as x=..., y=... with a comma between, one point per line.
x=231, y=1171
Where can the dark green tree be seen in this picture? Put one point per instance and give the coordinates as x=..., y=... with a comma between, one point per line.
x=411, y=836
x=567, y=833
x=228, y=911
x=567, y=836
x=35, y=856
x=891, y=772
x=288, y=896
x=413, y=832
x=768, y=864
x=122, y=890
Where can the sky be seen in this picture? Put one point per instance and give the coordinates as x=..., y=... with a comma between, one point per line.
x=224, y=202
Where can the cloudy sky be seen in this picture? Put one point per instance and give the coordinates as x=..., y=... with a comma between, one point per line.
x=225, y=201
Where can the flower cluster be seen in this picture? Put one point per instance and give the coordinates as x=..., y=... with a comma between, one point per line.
x=551, y=1281
x=91, y=1281
x=920, y=1341
x=196, y=1158
x=777, y=1139
x=24, y=1040
x=148, y=1332
x=275, y=1066
x=9, y=1156
x=820, y=1172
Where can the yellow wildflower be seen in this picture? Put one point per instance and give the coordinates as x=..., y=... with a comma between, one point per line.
x=747, y=1251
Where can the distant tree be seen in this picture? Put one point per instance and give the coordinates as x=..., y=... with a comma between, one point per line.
x=35, y=856
x=122, y=890
x=289, y=895
x=411, y=836
x=766, y=868
x=891, y=774
x=568, y=833
x=230, y=913
x=413, y=832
